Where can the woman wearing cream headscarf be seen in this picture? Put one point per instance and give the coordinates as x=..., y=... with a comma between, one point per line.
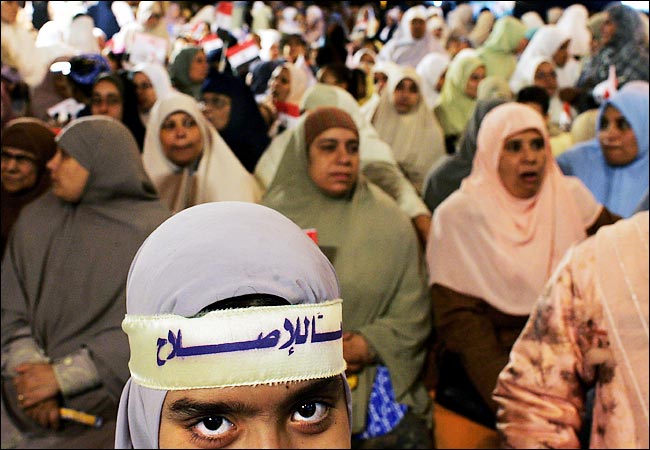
x=482, y=28
x=286, y=87
x=500, y=50
x=506, y=229
x=404, y=120
x=458, y=97
x=187, y=160
x=411, y=41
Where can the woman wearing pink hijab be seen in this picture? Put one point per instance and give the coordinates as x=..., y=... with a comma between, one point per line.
x=496, y=240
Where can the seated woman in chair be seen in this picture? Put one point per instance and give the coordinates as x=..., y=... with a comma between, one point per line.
x=495, y=241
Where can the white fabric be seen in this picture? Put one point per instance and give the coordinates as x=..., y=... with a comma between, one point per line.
x=574, y=22
x=546, y=41
x=431, y=68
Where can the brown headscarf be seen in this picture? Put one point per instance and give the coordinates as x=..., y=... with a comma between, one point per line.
x=34, y=136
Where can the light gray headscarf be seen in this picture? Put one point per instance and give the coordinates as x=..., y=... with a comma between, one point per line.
x=207, y=253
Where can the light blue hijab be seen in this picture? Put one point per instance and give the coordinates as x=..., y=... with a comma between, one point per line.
x=620, y=188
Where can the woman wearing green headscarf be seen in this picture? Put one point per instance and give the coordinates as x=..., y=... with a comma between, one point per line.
x=387, y=316
x=498, y=53
x=458, y=96
x=188, y=69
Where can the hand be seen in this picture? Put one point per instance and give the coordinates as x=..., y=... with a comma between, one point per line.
x=569, y=94
x=34, y=383
x=45, y=413
x=422, y=224
x=356, y=352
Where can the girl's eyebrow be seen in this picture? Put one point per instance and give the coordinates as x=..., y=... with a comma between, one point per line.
x=187, y=408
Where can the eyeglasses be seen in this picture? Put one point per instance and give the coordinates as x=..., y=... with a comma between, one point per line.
x=142, y=86
x=216, y=102
x=21, y=159
x=545, y=75
x=110, y=100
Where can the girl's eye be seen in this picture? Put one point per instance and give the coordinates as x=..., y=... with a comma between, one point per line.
x=213, y=426
x=310, y=412
x=513, y=146
x=328, y=147
x=168, y=126
x=537, y=144
x=188, y=123
x=353, y=148
x=622, y=124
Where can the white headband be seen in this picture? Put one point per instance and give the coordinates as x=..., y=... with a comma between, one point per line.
x=236, y=347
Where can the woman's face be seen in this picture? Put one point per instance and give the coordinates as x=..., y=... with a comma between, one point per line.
x=617, y=138
x=181, y=139
x=106, y=100
x=280, y=84
x=522, y=163
x=216, y=108
x=144, y=90
x=546, y=78
x=379, y=79
x=561, y=55
x=19, y=171
x=333, y=161
x=406, y=96
x=607, y=30
x=303, y=414
x=69, y=177
x=418, y=28
x=198, y=68
x=471, y=88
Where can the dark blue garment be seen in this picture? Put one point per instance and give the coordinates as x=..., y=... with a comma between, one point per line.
x=384, y=413
x=104, y=18
x=246, y=132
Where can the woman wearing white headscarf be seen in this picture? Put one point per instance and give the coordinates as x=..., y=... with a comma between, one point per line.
x=574, y=23
x=432, y=69
x=213, y=173
x=253, y=273
x=411, y=41
x=156, y=78
x=549, y=41
x=409, y=126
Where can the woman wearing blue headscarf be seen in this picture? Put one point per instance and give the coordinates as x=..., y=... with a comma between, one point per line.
x=614, y=165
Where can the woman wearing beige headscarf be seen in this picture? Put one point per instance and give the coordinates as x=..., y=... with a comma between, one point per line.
x=187, y=160
x=404, y=120
x=482, y=28
x=286, y=87
x=505, y=230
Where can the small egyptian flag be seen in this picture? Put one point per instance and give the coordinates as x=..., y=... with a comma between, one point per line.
x=242, y=53
x=223, y=16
